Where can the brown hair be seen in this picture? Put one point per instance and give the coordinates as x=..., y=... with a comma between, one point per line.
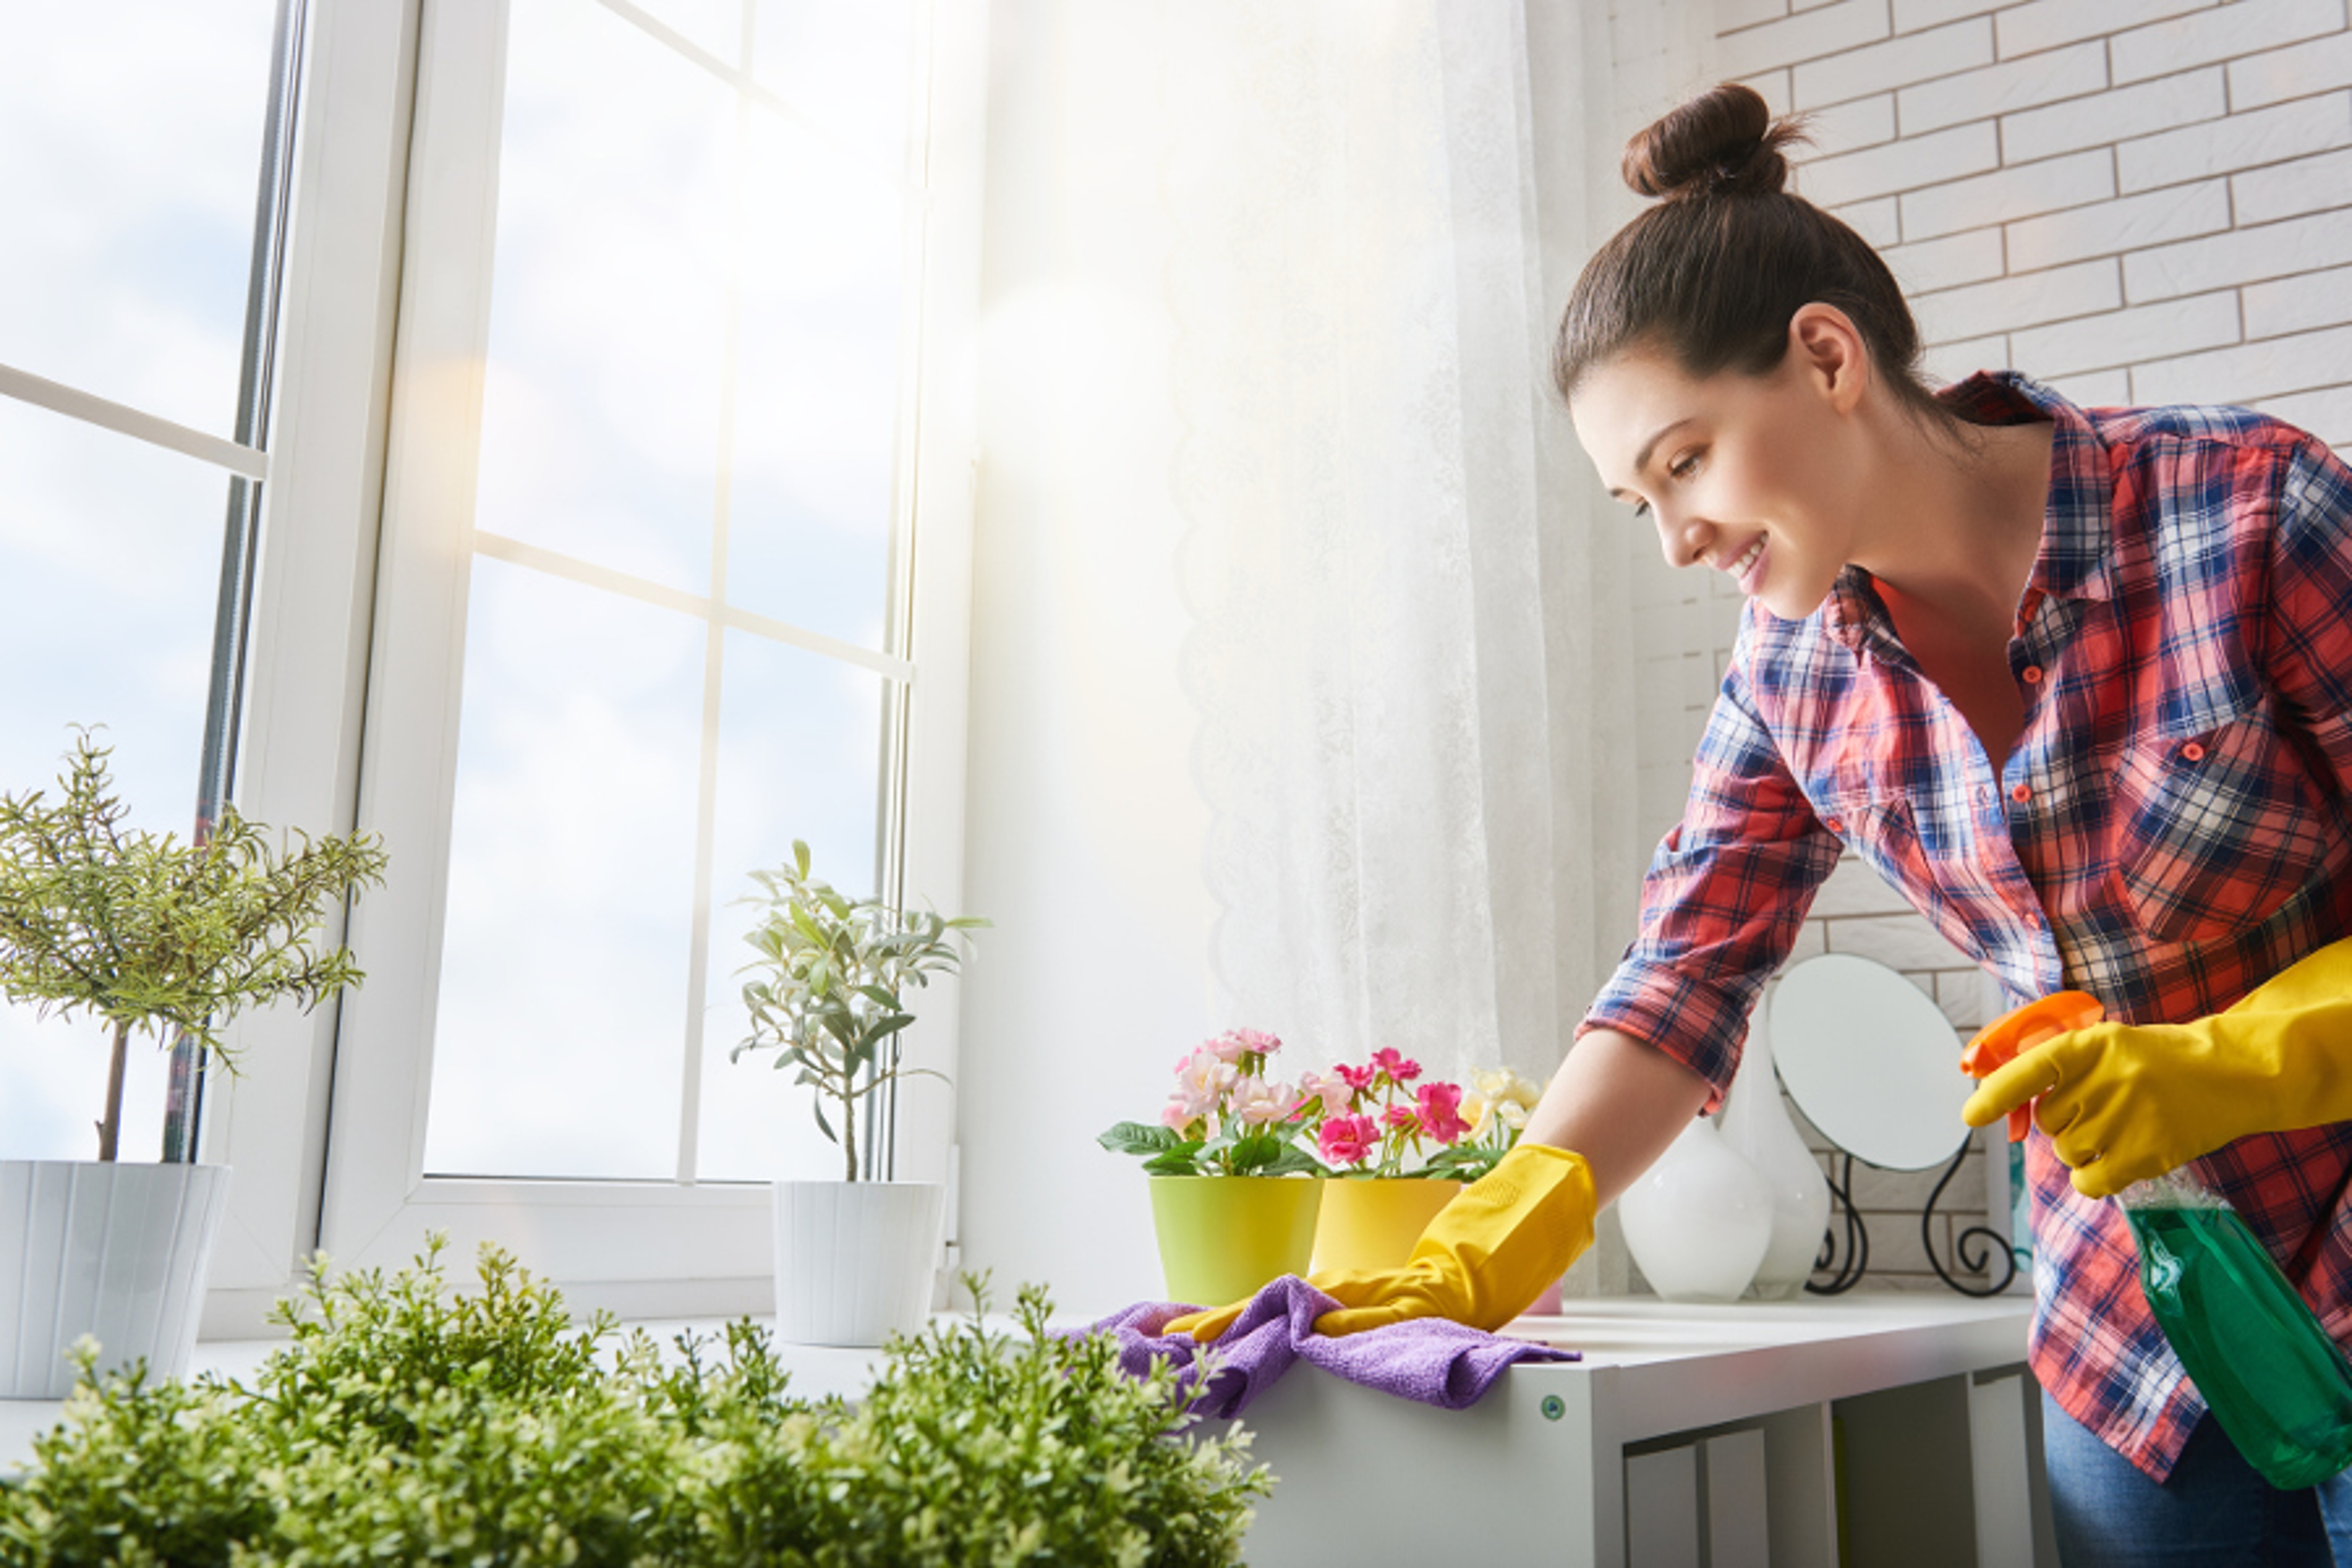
x=1713, y=273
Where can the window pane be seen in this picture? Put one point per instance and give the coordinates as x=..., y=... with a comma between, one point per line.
x=845, y=67
x=799, y=750
x=601, y=405
x=817, y=415
x=129, y=151
x=564, y=962
x=109, y=560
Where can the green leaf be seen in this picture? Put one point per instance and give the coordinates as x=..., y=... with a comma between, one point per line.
x=1138, y=1138
x=1184, y=1160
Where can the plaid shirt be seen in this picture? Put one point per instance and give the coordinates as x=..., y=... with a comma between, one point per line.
x=2170, y=830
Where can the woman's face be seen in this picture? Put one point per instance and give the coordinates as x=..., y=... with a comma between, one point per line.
x=1748, y=474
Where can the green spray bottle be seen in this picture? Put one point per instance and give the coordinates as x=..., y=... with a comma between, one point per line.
x=2272, y=1378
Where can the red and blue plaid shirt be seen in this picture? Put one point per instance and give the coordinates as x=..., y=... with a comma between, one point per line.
x=2172, y=827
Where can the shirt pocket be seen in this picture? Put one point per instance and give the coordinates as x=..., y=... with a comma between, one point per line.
x=2216, y=830
x=1876, y=824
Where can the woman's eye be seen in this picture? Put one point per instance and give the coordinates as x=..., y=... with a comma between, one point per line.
x=1684, y=467
x=1641, y=509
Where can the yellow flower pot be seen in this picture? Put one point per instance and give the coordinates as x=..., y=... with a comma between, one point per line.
x=1371, y=1223
x=1220, y=1237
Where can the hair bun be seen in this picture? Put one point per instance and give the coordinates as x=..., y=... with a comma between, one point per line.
x=1723, y=142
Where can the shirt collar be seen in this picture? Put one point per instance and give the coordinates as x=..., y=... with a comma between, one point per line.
x=2077, y=525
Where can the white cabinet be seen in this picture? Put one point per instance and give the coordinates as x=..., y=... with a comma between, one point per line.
x=1898, y=1430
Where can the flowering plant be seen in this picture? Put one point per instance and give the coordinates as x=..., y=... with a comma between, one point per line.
x=1374, y=1120
x=1226, y=1116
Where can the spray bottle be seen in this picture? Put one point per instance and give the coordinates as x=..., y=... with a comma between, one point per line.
x=2268, y=1371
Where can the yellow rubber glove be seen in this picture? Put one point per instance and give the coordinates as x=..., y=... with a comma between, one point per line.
x=2123, y=1102
x=1487, y=1255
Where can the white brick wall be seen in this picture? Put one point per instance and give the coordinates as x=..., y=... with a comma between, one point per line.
x=2137, y=201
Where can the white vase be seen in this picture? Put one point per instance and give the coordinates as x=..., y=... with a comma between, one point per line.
x=1755, y=1121
x=117, y=1252
x=1698, y=1221
x=855, y=1261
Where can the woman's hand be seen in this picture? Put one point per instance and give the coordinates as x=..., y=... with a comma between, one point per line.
x=2122, y=1102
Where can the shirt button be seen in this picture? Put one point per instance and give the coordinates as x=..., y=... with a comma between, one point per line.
x=2032, y=675
x=2021, y=794
x=2193, y=751
x=1835, y=824
x=1984, y=796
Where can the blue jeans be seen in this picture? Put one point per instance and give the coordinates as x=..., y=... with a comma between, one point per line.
x=2215, y=1512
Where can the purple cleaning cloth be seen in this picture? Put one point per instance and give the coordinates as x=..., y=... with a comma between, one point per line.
x=1431, y=1360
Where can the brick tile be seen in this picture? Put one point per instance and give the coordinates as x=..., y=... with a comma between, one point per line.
x=2130, y=336
x=2240, y=256
x=1852, y=887
x=2297, y=304
x=2326, y=414
x=1878, y=221
x=1970, y=255
x=2164, y=104
x=1962, y=1000
x=1811, y=942
x=1849, y=127
x=1899, y=942
x=2176, y=212
x=2296, y=72
x=2091, y=388
x=2240, y=28
x=2046, y=24
x=1898, y=62
x=2040, y=79
x=1901, y=166
x=1906, y=1193
x=1808, y=35
x=2308, y=362
x=1773, y=87
x=2290, y=190
x=2290, y=130
x=2024, y=190
x=2010, y=304
x=1917, y=16
x=1945, y=363
x=1730, y=16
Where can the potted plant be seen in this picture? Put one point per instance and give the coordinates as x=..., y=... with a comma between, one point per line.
x=1234, y=1195
x=1401, y=1147
x=150, y=935
x=855, y=1259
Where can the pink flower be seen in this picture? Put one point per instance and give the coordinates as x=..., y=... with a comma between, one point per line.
x=1228, y=1047
x=1174, y=1114
x=1202, y=1082
x=1346, y=1139
x=1400, y=1116
x=1258, y=1102
x=1336, y=1096
x=1358, y=1079
x=1441, y=1111
x=1257, y=1042
x=1403, y=1070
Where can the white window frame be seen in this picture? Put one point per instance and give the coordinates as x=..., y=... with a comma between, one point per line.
x=350, y=707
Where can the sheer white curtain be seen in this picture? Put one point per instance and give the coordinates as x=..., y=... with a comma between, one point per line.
x=1408, y=646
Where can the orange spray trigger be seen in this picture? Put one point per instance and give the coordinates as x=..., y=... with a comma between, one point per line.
x=2023, y=1028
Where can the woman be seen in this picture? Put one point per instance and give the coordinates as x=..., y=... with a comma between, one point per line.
x=2080, y=685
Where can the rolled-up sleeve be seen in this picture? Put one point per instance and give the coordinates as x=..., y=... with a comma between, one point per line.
x=1723, y=900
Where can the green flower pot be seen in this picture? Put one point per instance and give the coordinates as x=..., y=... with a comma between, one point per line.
x=1220, y=1237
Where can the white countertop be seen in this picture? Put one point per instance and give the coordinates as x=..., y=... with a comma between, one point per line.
x=1812, y=1342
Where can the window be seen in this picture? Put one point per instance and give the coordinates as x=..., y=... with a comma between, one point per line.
x=649, y=612
x=133, y=354
x=615, y=534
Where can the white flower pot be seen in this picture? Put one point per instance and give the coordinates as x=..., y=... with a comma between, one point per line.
x=1698, y=1221
x=855, y=1260
x=118, y=1252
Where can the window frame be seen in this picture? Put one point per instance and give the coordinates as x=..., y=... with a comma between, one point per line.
x=351, y=708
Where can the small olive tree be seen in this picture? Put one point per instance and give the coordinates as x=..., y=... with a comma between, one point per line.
x=828, y=992
x=152, y=934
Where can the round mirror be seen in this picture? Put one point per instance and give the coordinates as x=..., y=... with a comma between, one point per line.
x=1871, y=1060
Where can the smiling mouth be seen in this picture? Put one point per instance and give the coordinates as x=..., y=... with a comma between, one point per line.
x=1741, y=565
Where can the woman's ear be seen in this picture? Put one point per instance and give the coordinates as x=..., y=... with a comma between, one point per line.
x=1827, y=348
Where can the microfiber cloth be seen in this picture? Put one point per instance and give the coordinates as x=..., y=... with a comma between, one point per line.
x=1431, y=1360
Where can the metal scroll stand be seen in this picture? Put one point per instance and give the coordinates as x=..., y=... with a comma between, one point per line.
x=1845, y=1245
